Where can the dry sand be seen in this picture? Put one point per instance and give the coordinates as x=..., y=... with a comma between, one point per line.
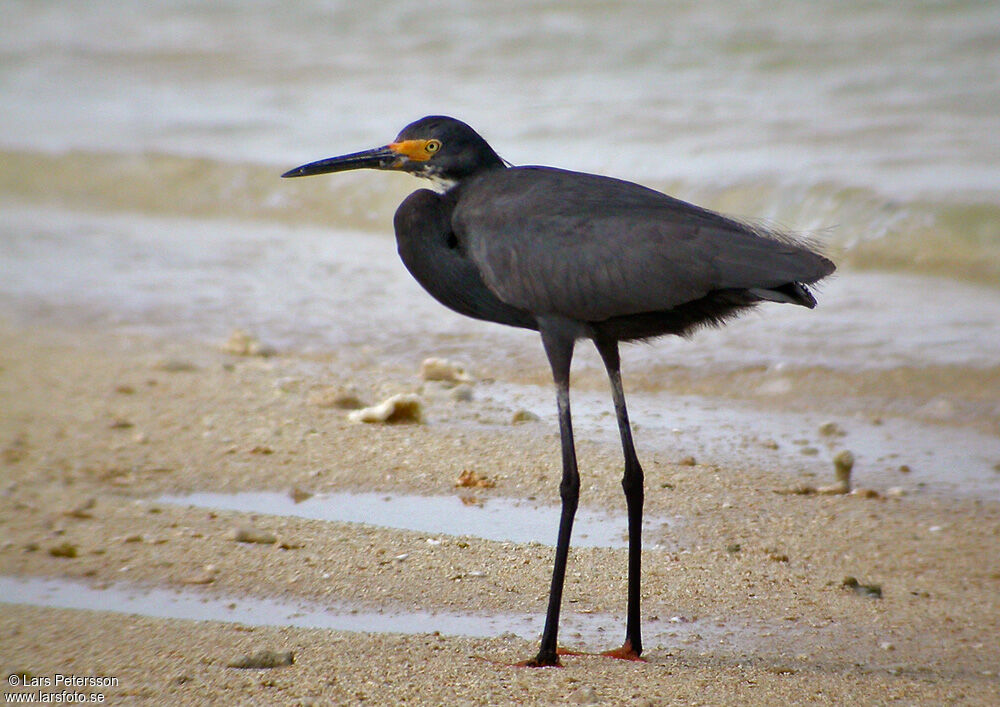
x=94, y=426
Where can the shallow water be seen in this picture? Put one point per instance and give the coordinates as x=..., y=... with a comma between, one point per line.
x=736, y=434
x=310, y=289
x=589, y=631
x=496, y=518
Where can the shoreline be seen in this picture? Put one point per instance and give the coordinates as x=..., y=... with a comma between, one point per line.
x=122, y=419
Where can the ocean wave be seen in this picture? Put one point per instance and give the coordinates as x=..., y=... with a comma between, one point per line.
x=859, y=227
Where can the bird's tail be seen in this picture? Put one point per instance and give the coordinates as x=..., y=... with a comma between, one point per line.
x=789, y=293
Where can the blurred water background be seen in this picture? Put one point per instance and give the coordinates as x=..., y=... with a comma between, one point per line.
x=141, y=143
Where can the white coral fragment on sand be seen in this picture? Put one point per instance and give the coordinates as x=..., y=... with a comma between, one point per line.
x=405, y=407
x=440, y=369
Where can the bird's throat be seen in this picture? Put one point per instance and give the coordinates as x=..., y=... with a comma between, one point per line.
x=439, y=182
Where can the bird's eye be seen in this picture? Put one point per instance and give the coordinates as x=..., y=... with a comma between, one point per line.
x=432, y=146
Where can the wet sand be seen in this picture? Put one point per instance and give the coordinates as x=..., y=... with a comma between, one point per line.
x=95, y=427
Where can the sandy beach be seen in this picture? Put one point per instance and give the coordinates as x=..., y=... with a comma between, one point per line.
x=188, y=515
x=744, y=589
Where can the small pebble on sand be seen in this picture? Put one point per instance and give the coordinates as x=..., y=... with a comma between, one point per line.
x=523, y=416
x=831, y=429
x=204, y=575
x=872, y=591
x=299, y=494
x=64, y=549
x=263, y=660
x=247, y=534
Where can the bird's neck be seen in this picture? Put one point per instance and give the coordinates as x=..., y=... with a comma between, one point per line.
x=440, y=183
x=444, y=183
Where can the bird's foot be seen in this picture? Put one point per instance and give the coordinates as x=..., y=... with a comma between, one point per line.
x=542, y=660
x=546, y=660
x=626, y=652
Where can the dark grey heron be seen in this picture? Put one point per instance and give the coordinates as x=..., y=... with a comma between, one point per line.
x=576, y=256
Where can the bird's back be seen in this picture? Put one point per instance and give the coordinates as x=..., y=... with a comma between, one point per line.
x=592, y=248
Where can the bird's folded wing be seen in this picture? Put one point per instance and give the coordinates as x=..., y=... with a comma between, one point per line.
x=589, y=248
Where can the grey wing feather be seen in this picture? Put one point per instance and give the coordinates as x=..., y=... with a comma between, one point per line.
x=590, y=248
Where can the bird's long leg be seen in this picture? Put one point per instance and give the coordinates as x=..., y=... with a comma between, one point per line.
x=632, y=483
x=559, y=350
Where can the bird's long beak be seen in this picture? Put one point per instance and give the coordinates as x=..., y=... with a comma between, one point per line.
x=378, y=158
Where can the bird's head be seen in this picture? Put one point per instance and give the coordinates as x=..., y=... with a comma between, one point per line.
x=442, y=149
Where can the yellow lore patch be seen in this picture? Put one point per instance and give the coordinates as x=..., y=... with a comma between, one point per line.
x=416, y=150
